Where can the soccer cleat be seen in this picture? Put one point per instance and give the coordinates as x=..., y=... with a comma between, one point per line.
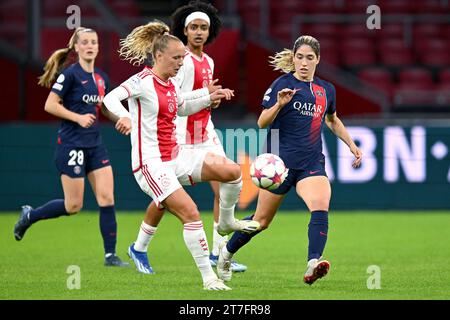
x=246, y=226
x=23, y=223
x=215, y=285
x=235, y=266
x=316, y=269
x=140, y=259
x=115, y=261
x=224, y=265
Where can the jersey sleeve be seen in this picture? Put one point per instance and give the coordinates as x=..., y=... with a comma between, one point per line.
x=63, y=83
x=133, y=86
x=331, y=96
x=270, y=96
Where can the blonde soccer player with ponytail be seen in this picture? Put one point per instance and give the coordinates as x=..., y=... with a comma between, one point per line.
x=159, y=165
x=196, y=24
x=76, y=97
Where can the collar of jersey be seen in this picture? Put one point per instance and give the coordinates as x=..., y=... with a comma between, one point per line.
x=200, y=59
x=161, y=81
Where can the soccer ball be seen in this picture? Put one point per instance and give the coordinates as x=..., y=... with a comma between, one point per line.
x=268, y=171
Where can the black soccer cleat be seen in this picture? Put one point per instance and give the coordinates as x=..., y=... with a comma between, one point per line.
x=115, y=261
x=23, y=223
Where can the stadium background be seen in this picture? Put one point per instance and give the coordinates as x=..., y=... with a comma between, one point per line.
x=393, y=92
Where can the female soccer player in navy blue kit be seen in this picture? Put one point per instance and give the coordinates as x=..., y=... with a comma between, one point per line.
x=77, y=97
x=297, y=104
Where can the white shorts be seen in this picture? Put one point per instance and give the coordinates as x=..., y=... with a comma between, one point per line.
x=212, y=145
x=160, y=179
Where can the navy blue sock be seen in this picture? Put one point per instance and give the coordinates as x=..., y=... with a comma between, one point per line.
x=240, y=239
x=51, y=209
x=108, y=228
x=317, y=234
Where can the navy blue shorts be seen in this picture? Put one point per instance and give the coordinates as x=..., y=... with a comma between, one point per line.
x=78, y=162
x=317, y=168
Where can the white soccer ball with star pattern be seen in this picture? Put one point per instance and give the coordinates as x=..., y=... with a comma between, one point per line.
x=268, y=171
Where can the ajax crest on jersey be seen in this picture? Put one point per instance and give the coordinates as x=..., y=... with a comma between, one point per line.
x=268, y=171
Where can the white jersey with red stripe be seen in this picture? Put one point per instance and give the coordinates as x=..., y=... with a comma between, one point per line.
x=196, y=73
x=153, y=105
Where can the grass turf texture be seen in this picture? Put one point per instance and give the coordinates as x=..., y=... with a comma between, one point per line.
x=410, y=248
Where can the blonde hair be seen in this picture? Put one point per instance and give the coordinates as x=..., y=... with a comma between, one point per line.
x=58, y=58
x=284, y=60
x=144, y=41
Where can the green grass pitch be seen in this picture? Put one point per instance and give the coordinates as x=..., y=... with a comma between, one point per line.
x=411, y=250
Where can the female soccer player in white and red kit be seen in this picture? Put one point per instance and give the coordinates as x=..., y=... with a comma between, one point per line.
x=196, y=24
x=160, y=166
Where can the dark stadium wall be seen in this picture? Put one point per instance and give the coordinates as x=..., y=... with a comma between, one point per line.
x=403, y=168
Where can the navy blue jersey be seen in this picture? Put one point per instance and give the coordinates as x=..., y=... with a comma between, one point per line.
x=81, y=92
x=300, y=121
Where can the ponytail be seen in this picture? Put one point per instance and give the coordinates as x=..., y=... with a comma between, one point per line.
x=144, y=41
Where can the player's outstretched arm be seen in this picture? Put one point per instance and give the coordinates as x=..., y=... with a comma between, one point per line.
x=337, y=127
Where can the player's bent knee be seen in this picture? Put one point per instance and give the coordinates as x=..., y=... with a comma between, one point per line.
x=105, y=199
x=236, y=172
x=263, y=224
x=73, y=208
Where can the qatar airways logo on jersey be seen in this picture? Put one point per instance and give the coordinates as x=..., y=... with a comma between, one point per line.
x=92, y=99
x=309, y=109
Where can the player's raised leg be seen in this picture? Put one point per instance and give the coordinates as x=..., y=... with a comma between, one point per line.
x=218, y=168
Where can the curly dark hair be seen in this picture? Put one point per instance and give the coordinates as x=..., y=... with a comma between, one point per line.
x=179, y=17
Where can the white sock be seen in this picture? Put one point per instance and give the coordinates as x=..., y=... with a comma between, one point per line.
x=229, y=196
x=227, y=254
x=145, y=235
x=217, y=239
x=195, y=239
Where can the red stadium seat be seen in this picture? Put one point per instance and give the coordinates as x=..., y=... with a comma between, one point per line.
x=428, y=30
x=396, y=6
x=357, y=30
x=431, y=6
x=357, y=52
x=358, y=6
x=323, y=7
x=444, y=75
x=390, y=31
x=433, y=52
x=395, y=53
x=328, y=51
x=320, y=31
x=378, y=77
x=415, y=76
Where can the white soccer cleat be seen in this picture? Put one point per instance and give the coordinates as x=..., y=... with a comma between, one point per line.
x=224, y=265
x=315, y=270
x=246, y=226
x=215, y=285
